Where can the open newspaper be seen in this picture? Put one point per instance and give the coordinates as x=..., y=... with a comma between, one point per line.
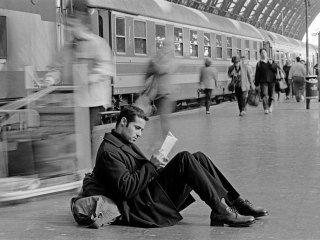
x=168, y=144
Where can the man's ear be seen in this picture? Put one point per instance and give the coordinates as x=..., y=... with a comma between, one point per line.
x=124, y=121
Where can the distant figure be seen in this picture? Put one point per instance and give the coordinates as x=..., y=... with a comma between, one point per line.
x=241, y=73
x=298, y=73
x=90, y=50
x=315, y=67
x=208, y=81
x=286, y=69
x=265, y=78
x=160, y=69
x=152, y=192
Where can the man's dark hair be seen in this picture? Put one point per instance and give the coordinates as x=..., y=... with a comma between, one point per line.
x=298, y=59
x=235, y=59
x=261, y=49
x=207, y=62
x=130, y=113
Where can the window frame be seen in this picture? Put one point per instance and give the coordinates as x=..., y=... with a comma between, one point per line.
x=239, y=49
x=193, y=44
x=134, y=38
x=206, y=45
x=165, y=34
x=247, y=49
x=255, y=50
x=177, y=42
x=228, y=48
x=120, y=36
x=219, y=46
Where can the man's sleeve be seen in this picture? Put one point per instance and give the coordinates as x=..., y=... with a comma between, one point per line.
x=230, y=69
x=126, y=183
x=257, y=75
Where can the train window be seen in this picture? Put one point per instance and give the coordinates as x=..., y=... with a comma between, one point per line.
x=255, y=50
x=219, y=46
x=239, y=53
x=247, y=50
x=120, y=35
x=100, y=26
x=140, y=37
x=160, y=36
x=193, y=43
x=229, y=47
x=178, y=42
x=207, y=45
x=3, y=37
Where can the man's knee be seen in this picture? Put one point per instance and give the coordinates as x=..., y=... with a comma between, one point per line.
x=184, y=156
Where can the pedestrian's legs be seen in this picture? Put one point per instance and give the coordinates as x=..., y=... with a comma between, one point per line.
x=288, y=88
x=238, y=93
x=185, y=171
x=271, y=93
x=298, y=83
x=208, y=98
x=244, y=100
x=264, y=95
x=165, y=106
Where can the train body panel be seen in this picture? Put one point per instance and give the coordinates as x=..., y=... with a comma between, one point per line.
x=31, y=40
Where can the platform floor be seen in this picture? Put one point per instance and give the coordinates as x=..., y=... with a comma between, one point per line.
x=273, y=160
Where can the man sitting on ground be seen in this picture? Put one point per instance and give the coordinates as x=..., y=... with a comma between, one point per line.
x=152, y=192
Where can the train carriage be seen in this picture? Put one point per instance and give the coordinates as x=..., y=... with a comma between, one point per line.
x=135, y=30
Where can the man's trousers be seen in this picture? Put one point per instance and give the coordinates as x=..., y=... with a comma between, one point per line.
x=186, y=172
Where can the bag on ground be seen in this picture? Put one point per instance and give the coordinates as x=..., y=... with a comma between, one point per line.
x=94, y=211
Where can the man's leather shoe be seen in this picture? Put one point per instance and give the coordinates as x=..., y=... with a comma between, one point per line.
x=232, y=218
x=246, y=208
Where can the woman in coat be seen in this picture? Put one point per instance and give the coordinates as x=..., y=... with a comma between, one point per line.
x=208, y=81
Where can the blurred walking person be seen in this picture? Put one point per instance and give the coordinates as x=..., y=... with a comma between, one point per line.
x=89, y=50
x=286, y=69
x=159, y=85
x=208, y=81
x=297, y=73
x=265, y=79
x=240, y=73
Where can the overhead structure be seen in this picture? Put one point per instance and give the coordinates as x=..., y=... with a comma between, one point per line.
x=286, y=17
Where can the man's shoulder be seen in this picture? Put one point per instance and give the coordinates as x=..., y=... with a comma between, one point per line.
x=231, y=67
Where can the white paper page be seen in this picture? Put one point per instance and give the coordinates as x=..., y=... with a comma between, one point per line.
x=168, y=144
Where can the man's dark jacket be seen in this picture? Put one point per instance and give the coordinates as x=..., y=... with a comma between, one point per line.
x=125, y=175
x=265, y=73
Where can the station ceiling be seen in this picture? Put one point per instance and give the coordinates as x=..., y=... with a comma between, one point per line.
x=286, y=17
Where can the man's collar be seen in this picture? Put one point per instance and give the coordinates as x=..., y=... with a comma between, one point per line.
x=117, y=140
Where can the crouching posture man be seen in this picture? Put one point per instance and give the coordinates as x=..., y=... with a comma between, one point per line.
x=149, y=192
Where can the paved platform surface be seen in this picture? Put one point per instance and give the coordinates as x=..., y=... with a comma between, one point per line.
x=273, y=160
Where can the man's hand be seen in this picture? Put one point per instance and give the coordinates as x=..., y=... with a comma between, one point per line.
x=159, y=160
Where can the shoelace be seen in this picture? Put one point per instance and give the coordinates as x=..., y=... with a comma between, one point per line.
x=232, y=209
x=248, y=202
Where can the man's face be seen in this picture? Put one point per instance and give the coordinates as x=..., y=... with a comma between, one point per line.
x=132, y=131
